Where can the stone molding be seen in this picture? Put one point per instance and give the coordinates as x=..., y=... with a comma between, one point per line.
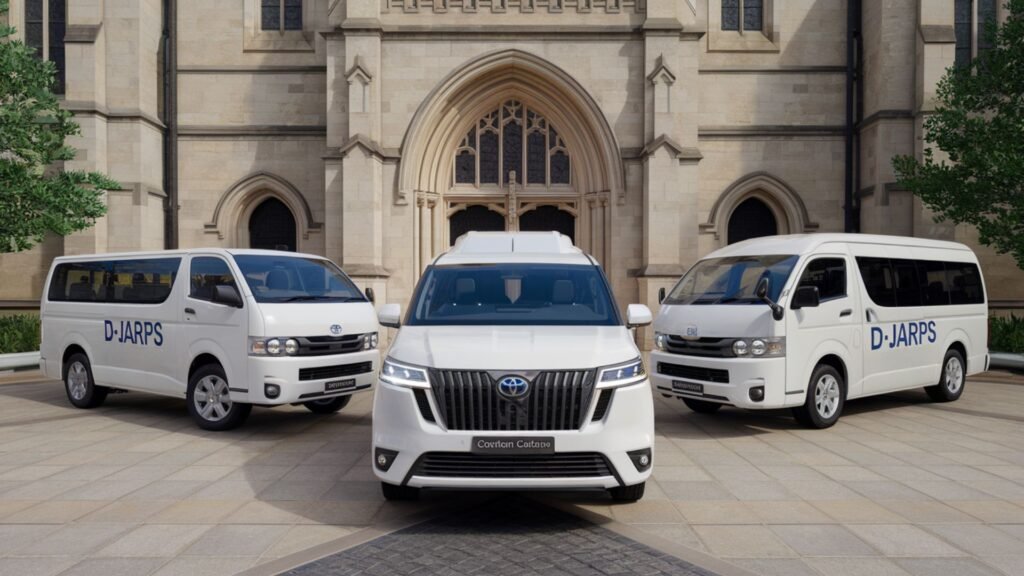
x=937, y=34
x=789, y=208
x=882, y=115
x=253, y=131
x=230, y=217
x=82, y=33
x=85, y=108
x=683, y=153
x=770, y=131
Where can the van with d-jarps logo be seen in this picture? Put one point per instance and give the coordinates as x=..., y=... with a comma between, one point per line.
x=810, y=321
x=513, y=369
x=223, y=329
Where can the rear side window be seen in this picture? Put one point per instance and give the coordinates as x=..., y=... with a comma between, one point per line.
x=206, y=274
x=129, y=281
x=828, y=275
x=903, y=282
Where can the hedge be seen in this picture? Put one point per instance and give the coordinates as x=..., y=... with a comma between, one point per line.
x=19, y=333
x=1006, y=334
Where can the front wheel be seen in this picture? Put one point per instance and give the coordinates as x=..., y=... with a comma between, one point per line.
x=702, y=406
x=327, y=405
x=78, y=383
x=826, y=395
x=209, y=400
x=396, y=493
x=628, y=493
x=951, y=384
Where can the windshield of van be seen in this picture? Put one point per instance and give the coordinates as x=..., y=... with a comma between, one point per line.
x=513, y=295
x=275, y=279
x=732, y=280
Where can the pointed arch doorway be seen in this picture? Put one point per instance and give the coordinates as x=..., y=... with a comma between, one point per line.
x=272, y=226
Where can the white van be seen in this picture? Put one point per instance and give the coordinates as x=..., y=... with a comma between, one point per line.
x=185, y=324
x=513, y=370
x=809, y=321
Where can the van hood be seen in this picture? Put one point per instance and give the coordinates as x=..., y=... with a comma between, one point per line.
x=316, y=319
x=513, y=347
x=718, y=321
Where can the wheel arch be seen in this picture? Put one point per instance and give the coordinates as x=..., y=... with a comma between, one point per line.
x=835, y=361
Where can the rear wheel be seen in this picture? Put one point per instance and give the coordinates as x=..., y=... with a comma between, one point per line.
x=628, y=493
x=209, y=400
x=951, y=383
x=394, y=492
x=78, y=383
x=327, y=405
x=702, y=406
x=826, y=395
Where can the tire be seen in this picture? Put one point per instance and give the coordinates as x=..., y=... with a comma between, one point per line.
x=702, y=406
x=396, y=493
x=826, y=397
x=327, y=405
x=628, y=493
x=209, y=401
x=81, y=389
x=952, y=381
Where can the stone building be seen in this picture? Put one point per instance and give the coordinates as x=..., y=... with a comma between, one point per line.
x=376, y=131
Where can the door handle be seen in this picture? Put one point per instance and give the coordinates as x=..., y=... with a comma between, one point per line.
x=868, y=314
x=846, y=313
x=189, y=311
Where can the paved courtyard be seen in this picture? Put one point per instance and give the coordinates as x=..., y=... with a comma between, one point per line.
x=900, y=486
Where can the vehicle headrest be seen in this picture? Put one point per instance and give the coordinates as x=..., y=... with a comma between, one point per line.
x=278, y=280
x=563, y=292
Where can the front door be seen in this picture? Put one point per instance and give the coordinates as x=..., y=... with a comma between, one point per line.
x=212, y=327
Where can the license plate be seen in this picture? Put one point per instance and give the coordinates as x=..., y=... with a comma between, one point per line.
x=339, y=385
x=687, y=386
x=513, y=446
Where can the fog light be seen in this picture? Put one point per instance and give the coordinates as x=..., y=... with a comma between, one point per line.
x=271, y=390
x=756, y=393
x=384, y=459
x=641, y=459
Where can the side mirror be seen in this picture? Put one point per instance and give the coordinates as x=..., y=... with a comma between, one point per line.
x=370, y=295
x=661, y=295
x=390, y=315
x=227, y=295
x=638, y=315
x=761, y=291
x=805, y=297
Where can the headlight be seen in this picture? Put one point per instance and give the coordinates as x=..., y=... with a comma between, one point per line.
x=370, y=341
x=403, y=375
x=660, y=340
x=759, y=347
x=273, y=346
x=291, y=347
x=621, y=374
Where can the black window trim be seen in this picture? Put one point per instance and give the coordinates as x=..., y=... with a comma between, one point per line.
x=107, y=265
x=231, y=271
x=917, y=263
x=846, y=288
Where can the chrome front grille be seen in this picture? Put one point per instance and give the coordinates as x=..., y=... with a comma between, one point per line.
x=469, y=400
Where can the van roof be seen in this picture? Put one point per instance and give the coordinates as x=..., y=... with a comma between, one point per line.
x=807, y=243
x=182, y=252
x=513, y=247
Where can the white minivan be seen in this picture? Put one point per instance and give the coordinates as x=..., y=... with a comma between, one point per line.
x=513, y=369
x=810, y=321
x=224, y=329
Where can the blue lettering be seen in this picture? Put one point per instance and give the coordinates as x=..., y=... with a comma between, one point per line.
x=147, y=331
x=901, y=339
x=876, y=337
x=912, y=333
x=108, y=330
x=138, y=332
x=932, y=336
x=158, y=336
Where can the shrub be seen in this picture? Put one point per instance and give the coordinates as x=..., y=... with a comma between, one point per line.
x=1006, y=334
x=19, y=333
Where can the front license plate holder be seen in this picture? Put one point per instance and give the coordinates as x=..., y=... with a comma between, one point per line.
x=513, y=445
x=691, y=387
x=338, y=385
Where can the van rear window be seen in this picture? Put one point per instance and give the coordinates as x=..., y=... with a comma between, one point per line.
x=128, y=281
x=904, y=283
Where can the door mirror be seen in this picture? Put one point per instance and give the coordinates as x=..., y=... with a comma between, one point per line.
x=390, y=315
x=227, y=295
x=761, y=290
x=661, y=295
x=370, y=295
x=805, y=297
x=638, y=315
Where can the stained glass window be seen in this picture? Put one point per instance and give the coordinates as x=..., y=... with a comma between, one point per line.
x=753, y=14
x=730, y=14
x=281, y=15
x=45, y=27
x=986, y=17
x=962, y=20
x=488, y=158
x=293, y=14
x=536, y=153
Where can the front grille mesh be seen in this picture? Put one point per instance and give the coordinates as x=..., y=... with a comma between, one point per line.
x=708, y=347
x=338, y=371
x=698, y=373
x=469, y=400
x=468, y=465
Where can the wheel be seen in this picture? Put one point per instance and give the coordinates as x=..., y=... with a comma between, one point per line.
x=702, y=406
x=394, y=492
x=951, y=384
x=628, y=493
x=826, y=395
x=78, y=383
x=209, y=400
x=327, y=405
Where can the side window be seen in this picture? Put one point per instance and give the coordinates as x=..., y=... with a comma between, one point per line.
x=964, y=283
x=934, y=288
x=144, y=281
x=78, y=282
x=878, y=280
x=208, y=272
x=908, y=286
x=828, y=275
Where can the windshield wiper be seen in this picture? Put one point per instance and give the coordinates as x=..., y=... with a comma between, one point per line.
x=312, y=298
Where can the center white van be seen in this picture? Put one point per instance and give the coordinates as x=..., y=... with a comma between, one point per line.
x=809, y=321
x=513, y=370
x=224, y=329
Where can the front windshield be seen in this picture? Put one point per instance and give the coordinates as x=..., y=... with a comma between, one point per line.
x=513, y=295
x=732, y=280
x=275, y=279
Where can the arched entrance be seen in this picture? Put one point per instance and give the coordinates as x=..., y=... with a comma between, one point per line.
x=751, y=219
x=476, y=217
x=272, y=226
x=544, y=218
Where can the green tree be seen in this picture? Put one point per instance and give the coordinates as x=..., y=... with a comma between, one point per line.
x=978, y=123
x=36, y=196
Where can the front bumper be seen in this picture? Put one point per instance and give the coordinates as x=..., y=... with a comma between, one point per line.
x=284, y=372
x=743, y=374
x=627, y=426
